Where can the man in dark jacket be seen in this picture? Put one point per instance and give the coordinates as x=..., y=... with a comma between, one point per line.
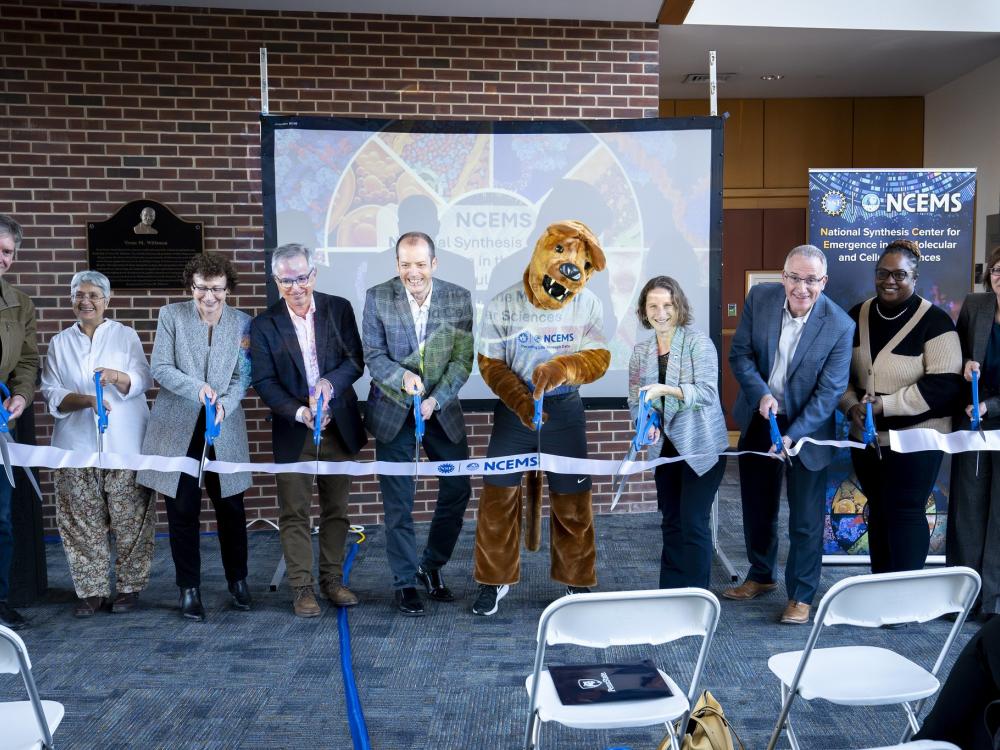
x=304, y=346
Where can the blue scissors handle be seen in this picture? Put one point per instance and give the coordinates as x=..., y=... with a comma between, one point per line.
x=779, y=444
x=646, y=418
x=976, y=419
x=418, y=416
x=4, y=414
x=102, y=413
x=211, y=428
x=869, y=433
x=318, y=421
x=536, y=421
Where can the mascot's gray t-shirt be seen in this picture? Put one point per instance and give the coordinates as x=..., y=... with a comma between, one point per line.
x=524, y=336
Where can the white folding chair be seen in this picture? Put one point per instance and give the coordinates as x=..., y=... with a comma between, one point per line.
x=866, y=675
x=620, y=618
x=26, y=725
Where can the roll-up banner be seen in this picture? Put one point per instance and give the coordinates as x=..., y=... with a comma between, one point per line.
x=853, y=214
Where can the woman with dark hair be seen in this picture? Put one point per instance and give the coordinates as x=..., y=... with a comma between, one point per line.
x=974, y=501
x=678, y=369
x=906, y=363
x=199, y=353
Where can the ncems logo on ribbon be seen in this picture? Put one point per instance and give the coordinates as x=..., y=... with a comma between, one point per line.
x=446, y=468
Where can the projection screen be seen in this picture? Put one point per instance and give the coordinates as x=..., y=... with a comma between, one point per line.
x=650, y=189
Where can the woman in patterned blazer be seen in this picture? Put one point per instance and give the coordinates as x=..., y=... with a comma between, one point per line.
x=679, y=371
x=201, y=352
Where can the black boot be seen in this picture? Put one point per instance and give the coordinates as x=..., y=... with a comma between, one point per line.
x=241, y=595
x=191, y=608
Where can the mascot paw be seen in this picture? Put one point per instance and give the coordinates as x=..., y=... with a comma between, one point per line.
x=547, y=376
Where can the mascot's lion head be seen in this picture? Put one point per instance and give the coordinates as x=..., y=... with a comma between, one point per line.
x=565, y=257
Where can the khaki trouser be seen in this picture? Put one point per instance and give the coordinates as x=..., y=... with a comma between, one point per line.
x=295, y=493
x=85, y=516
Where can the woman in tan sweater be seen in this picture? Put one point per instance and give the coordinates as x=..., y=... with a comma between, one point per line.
x=907, y=363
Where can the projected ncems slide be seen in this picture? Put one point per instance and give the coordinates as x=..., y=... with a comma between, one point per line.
x=486, y=191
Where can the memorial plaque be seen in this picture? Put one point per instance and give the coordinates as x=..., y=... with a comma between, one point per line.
x=143, y=246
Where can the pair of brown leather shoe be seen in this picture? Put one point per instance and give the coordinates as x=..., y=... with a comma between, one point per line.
x=796, y=613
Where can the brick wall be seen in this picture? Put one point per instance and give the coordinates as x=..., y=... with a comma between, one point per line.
x=100, y=105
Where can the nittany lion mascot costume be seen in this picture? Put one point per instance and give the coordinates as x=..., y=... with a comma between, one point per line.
x=541, y=336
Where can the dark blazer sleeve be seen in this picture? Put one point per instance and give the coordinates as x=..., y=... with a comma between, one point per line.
x=743, y=357
x=350, y=362
x=832, y=381
x=266, y=368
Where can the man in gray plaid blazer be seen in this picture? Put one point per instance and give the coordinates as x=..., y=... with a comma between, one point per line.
x=417, y=339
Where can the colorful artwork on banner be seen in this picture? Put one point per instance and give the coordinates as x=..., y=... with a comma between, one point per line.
x=853, y=214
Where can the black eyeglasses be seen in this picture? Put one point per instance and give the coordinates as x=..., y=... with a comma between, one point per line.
x=302, y=280
x=899, y=275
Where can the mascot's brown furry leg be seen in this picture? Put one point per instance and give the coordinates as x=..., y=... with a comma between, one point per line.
x=498, y=536
x=571, y=522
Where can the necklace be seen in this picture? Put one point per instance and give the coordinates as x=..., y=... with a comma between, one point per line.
x=886, y=317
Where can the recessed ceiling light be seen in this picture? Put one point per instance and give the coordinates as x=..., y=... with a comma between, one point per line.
x=771, y=77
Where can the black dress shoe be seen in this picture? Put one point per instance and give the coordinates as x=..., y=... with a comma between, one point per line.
x=408, y=602
x=241, y=595
x=434, y=583
x=11, y=618
x=191, y=608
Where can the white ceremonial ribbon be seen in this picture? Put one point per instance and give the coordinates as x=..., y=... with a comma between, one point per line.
x=905, y=441
x=47, y=457
x=962, y=441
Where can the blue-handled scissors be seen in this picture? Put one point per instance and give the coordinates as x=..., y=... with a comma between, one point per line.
x=4, y=419
x=5, y=437
x=977, y=421
x=870, y=434
x=536, y=423
x=212, y=431
x=776, y=441
x=645, y=419
x=318, y=429
x=101, y=425
x=418, y=430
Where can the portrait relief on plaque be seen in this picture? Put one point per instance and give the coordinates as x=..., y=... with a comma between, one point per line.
x=146, y=218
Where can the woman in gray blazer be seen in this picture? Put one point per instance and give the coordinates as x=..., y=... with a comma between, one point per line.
x=973, y=536
x=679, y=370
x=200, y=352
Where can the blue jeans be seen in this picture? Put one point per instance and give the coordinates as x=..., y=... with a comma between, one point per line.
x=6, y=536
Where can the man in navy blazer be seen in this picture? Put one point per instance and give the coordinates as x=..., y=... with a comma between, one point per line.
x=304, y=345
x=791, y=355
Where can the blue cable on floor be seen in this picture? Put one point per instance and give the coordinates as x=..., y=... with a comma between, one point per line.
x=355, y=716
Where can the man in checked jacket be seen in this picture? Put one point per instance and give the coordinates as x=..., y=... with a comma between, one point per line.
x=417, y=339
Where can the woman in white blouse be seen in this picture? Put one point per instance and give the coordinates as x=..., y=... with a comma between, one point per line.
x=92, y=502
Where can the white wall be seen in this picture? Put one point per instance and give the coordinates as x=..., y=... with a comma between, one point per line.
x=962, y=129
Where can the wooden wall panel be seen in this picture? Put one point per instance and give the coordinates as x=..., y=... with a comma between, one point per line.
x=784, y=228
x=666, y=107
x=804, y=133
x=889, y=132
x=744, y=137
x=742, y=242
